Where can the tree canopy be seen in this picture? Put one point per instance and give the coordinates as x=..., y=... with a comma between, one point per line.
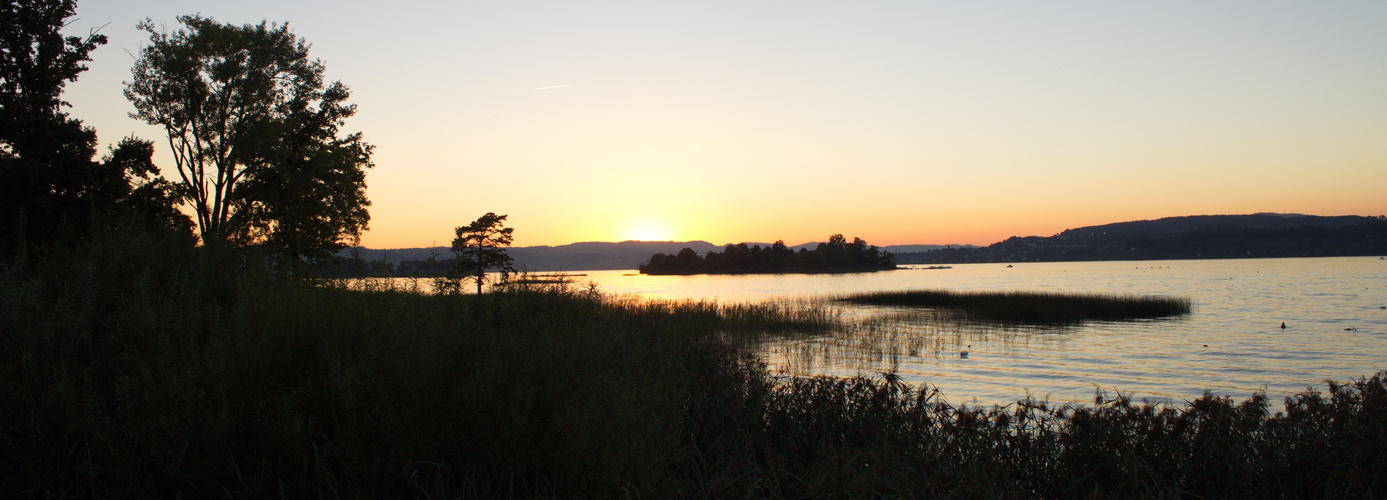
x=255, y=134
x=50, y=179
x=836, y=255
x=480, y=247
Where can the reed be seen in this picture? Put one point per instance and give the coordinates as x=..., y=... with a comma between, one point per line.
x=1031, y=307
x=135, y=368
x=769, y=437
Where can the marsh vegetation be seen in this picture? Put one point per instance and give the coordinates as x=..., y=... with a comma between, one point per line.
x=134, y=367
x=1030, y=307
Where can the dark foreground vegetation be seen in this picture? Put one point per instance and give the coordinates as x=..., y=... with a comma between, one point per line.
x=136, y=366
x=835, y=256
x=1031, y=307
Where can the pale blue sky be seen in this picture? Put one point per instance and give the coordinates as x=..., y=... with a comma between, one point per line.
x=900, y=122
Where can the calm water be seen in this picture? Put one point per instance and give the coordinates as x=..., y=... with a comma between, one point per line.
x=1232, y=344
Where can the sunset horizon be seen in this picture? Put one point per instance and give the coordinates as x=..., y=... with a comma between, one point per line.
x=922, y=124
x=850, y=234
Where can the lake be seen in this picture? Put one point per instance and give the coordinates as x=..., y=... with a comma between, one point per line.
x=1232, y=344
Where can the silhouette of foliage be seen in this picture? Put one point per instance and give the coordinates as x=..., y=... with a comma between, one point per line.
x=51, y=182
x=836, y=255
x=254, y=131
x=480, y=247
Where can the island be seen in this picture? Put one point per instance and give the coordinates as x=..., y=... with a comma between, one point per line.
x=835, y=256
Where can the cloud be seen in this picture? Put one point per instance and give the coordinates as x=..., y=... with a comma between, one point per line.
x=551, y=87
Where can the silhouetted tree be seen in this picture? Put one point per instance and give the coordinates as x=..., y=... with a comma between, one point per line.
x=49, y=176
x=254, y=131
x=140, y=191
x=480, y=247
x=834, y=255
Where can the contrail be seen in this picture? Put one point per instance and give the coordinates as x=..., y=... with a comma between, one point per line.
x=551, y=87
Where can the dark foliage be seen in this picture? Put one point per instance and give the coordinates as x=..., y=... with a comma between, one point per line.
x=51, y=186
x=760, y=437
x=1031, y=307
x=837, y=255
x=478, y=248
x=255, y=133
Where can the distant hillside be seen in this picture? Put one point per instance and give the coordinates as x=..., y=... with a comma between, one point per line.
x=1192, y=237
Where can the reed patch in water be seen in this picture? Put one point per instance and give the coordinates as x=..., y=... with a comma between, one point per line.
x=1031, y=307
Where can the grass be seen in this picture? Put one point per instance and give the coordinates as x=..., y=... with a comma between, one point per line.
x=131, y=367
x=861, y=437
x=1031, y=307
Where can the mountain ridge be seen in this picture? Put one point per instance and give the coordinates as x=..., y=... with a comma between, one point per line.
x=1259, y=235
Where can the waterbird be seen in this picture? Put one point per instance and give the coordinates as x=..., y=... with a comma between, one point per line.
x=1351, y=329
x=1283, y=325
x=964, y=354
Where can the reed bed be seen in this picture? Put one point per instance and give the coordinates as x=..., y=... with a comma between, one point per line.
x=131, y=367
x=877, y=342
x=1046, y=308
x=773, y=437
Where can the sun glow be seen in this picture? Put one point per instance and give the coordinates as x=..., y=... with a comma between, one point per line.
x=647, y=228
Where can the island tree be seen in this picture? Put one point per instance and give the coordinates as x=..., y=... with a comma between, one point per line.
x=255, y=134
x=480, y=248
x=836, y=255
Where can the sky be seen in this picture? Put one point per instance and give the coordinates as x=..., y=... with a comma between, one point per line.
x=904, y=122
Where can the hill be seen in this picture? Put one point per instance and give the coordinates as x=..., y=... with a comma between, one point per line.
x=1191, y=237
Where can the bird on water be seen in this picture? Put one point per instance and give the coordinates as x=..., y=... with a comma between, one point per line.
x=964, y=354
x=1283, y=325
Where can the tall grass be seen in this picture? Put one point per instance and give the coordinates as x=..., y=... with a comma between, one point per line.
x=1031, y=307
x=860, y=437
x=135, y=368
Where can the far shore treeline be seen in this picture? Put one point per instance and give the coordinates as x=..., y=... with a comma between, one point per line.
x=837, y=255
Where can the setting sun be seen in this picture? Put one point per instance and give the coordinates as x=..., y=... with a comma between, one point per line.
x=646, y=228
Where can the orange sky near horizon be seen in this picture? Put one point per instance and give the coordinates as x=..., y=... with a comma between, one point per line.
x=900, y=123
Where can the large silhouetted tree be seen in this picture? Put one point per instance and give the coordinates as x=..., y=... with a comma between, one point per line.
x=45, y=156
x=48, y=177
x=254, y=131
x=480, y=247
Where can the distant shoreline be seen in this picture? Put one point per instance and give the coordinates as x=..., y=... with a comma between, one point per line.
x=851, y=270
